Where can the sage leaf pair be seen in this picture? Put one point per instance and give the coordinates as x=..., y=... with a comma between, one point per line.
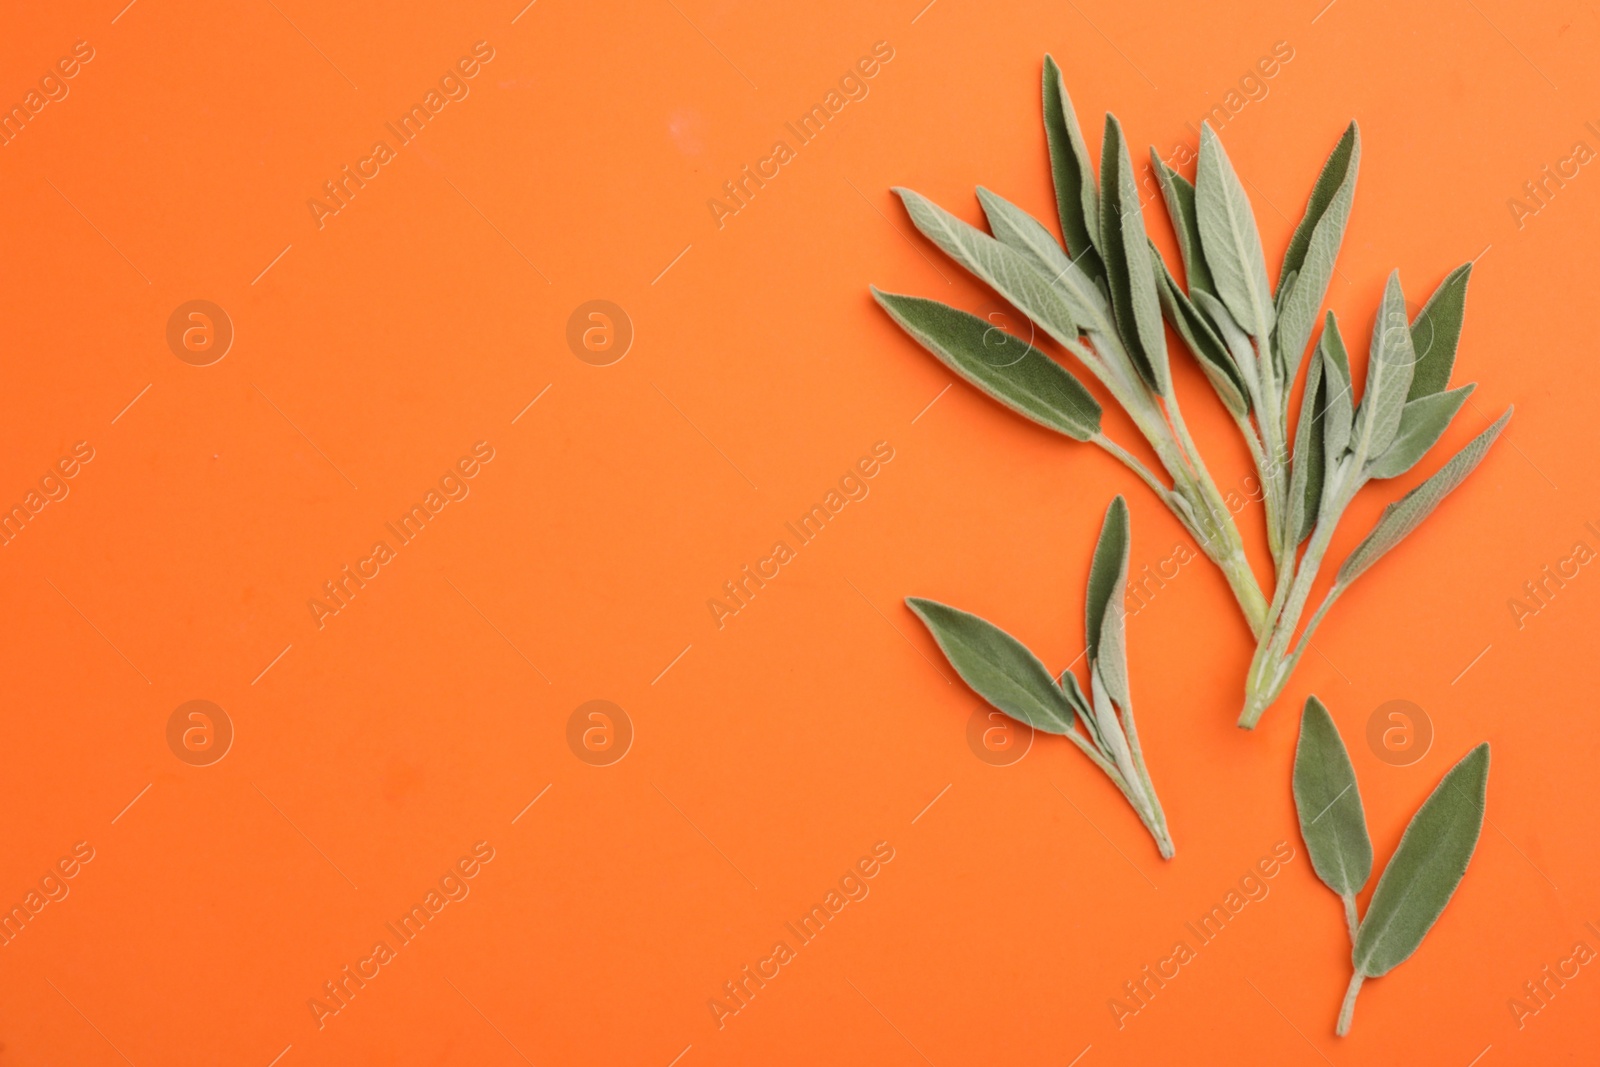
x=1101, y=291
x=1003, y=671
x=1425, y=869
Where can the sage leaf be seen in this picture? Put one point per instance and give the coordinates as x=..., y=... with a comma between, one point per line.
x=1389, y=368
x=1340, y=407
x=1108, y=575
x=1436, y=331
x=1007, y=271
x=1077, y=202
x=1422, y=422
x=1328, y=802
x=1202, y=340
x=1312, y=250
x=997, y=666
x=1125, y=250
x=1017, y=229
x=1407, y=513
x=1000, y=364
x=1424, y=871
x=1229, y=238
x=1309, y=472
x=1177, y=191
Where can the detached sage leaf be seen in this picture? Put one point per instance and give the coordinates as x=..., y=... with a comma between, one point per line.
x=1007, y=368
x=1129, y=272
x=1422, y=422
x=1407, y=513
x=1229, y=237
x=1424, y=871
x=1077, y=202
x=1313, y=249
x=1436, y=331
x=1328, y=802
x=997, y=666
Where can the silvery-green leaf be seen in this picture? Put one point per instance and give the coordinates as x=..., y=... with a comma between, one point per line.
x=1201, y=338
x=1328, y=803
x=1407, y=513
x=1436, y=331
x=1017, y=229
x=1313, y=249
x=997, y=666
x=1007, y=368
x=1389, y=366
x=1233, y=337
x=1125, y=250
x=1307, y=476
x=1339, y=410
x=1076, y=199
x=1230, y=240
x=1422, y=422
x=1108, y=575
x=1179, y=195
x=1424, y=871
x=1080, y=704
x=1075, y=696
x=1007, y=271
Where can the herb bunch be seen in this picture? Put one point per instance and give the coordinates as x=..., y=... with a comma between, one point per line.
x=1422, y=874
x=1103, y=295
x=1004, y=672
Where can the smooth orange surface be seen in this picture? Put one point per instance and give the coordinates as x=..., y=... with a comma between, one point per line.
x=373, y=753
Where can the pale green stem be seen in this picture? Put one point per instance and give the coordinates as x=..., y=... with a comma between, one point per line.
x=1348, y=1009
x=1350, y=915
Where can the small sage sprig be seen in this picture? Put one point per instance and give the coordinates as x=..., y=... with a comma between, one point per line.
x=1421, y=875
x=1102, y=295
x=1004, y=672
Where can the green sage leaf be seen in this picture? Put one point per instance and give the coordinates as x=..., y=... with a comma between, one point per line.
x=997, y=666
x=1077, y=202
x=1007, y=368
x=1309, y=471
x=1313, y=248
x=1389, y=367
x=1106, y=624
x=1230, y=240
x=1179, y=195
x=1202, y=340
x=1125, y=250
x=1328, y=802
x=1436, y=332
x=1339, y=411
x=1017, y=229
x=1007, y=271
x=1407, y=513
x=1424, y=871
x=1422, y=422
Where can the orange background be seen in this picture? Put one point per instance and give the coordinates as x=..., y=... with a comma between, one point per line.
x=780, y=748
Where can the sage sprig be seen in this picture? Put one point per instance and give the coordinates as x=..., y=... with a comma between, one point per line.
x=1422, y=874
x=1102, y=295
x=1002, y=670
